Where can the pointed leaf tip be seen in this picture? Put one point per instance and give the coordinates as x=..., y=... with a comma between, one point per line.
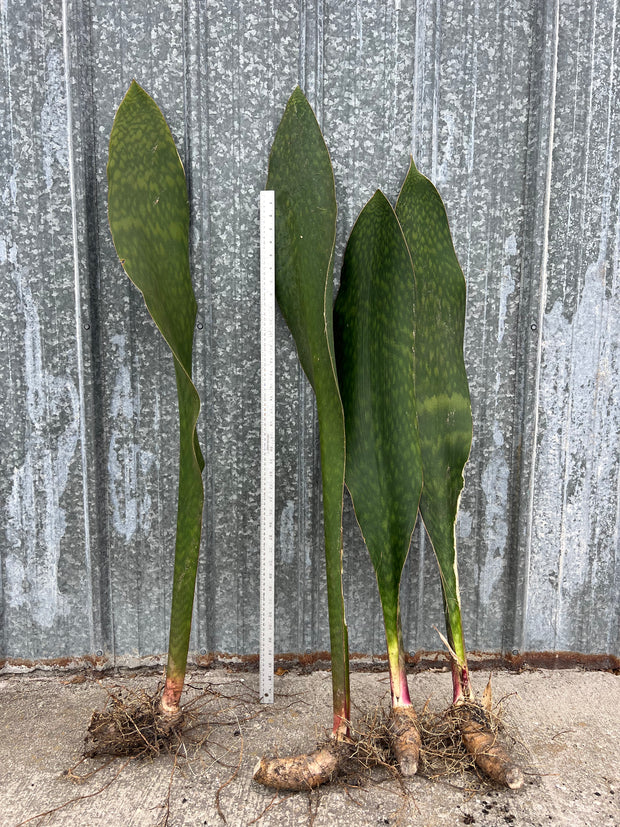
x=379, y=196
x=299, y=102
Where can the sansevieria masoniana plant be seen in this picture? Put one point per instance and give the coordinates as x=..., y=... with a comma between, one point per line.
x=399, y=324
x=149, y=218
x=445, y=429
x=300, y=173
x=374, y=321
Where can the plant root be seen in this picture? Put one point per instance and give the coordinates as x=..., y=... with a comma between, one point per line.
x=132, y=724
x=446, y=754
x=405, y=738
x=372, y=745
x=305, y=771
x=442, y=753
x=480, y=740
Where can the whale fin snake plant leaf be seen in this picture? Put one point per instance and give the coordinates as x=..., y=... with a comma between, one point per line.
x=148, y=211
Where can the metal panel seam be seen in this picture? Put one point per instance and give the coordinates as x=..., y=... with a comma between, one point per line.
x=78, y=320
x=541, y=315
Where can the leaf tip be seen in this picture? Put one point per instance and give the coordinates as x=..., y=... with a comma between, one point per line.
x=136, y=92
x=298, y=99
x=134, y=89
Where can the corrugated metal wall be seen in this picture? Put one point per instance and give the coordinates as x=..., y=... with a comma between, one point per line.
x=512, y=109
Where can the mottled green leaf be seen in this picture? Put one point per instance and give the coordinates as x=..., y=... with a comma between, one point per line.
x=374, y=331
x=149, y=218
x=442, y=391
x=300, y=173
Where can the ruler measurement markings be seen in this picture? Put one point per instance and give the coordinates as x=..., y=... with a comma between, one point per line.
x=267, y=534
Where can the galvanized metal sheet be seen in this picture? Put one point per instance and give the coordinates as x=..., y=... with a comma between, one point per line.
x=511, y=110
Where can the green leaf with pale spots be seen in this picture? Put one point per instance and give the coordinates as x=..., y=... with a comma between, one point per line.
x=374, y=333
x=442, y=391
x=300, y=173
x=148, y=212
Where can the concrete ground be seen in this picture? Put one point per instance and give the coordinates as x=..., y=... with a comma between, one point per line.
x=569, y=723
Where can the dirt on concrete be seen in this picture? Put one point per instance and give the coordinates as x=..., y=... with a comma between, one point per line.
x=566, y=722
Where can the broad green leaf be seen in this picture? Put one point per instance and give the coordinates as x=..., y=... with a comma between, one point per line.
x=442, y=392
x=374, y=332
x=149, y=217
x=300, y=173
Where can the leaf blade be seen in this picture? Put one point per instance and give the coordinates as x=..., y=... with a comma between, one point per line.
x=374, y=332
x=300, y=173
x=442, y=390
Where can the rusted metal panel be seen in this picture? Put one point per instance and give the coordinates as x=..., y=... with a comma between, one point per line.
x=512, y=110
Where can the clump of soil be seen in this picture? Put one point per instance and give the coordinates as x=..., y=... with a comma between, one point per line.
x=132, y=724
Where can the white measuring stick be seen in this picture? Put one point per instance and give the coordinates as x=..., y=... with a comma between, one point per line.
x=268, y=444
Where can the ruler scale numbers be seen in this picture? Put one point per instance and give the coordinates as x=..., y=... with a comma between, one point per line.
x=268, y=440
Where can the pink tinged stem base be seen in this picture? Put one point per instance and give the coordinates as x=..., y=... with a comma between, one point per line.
x=398, y=672
x=400, y=689
x=461, y=687
x=340, y=726
x=342, y=717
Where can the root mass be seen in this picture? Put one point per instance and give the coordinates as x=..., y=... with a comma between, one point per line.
x=132, y=724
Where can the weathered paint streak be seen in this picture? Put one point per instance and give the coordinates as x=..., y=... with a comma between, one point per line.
x=287, y=532
x=129, y=462
x=35, y=518
x=507, y=287
x=578, y=459
x=495, y=485
x=53, y=119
